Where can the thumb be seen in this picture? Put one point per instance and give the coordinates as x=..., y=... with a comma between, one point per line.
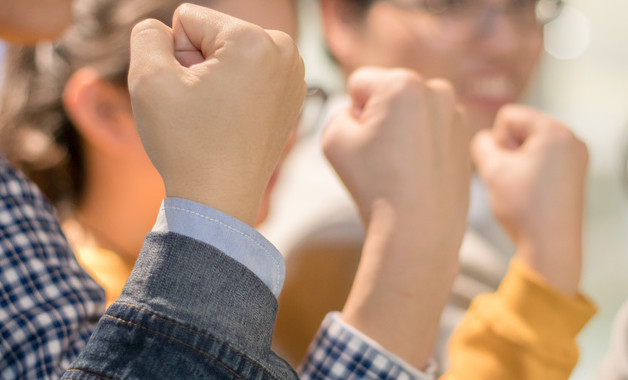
x=486, y=152
x=152, y=50
x=362, y=84
x=367, y=82
x=196, y=30
x=339, y=137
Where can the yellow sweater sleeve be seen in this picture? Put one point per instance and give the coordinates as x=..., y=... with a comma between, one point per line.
x=524, y=331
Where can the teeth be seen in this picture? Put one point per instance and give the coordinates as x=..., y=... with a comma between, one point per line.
x=496, y=87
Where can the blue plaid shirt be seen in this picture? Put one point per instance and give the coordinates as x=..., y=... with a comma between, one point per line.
x=340, y=352
x=49, y=306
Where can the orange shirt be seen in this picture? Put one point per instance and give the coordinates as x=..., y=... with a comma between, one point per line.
x=106, y=268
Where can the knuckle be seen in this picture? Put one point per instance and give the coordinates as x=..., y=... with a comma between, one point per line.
x=508, y=111
x=284, y=42
x=328, y=142
x=564, y=140
x=184, y=9
x=144, y=26
x=287, y=50
x=254, y=40
x=441, y=86
x=406, y=82
x=559, y=133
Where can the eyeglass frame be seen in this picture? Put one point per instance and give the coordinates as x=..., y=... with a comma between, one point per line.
x=541, y=15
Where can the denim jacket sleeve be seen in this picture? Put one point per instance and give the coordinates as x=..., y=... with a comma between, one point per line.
x=188, y=311
x=192, y=310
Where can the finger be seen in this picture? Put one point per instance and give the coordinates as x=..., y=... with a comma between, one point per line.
x=365, y=82
x=486, y=152
x=514, y=124
x=361, y=85
x=441, y=99
x=338, y=136
x=462, y=130
x=152, y=49
x=286, y=44
x=196, y=32
x=289, y=51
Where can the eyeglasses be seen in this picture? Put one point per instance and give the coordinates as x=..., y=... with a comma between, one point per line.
x=462, y=20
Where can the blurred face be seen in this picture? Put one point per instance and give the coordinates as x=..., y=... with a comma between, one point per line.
x=269, y=14
x=27, y=21
x=488, y=58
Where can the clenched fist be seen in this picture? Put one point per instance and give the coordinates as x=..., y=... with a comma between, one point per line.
x=402, y=150
x=214, y=99
x=404, y=146
x=535, y=170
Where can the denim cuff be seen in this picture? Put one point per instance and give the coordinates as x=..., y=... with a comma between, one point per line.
x=234, y=238
x=196, y=284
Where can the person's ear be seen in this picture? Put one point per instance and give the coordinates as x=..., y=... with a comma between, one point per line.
x=100, y=111
x=342, y=23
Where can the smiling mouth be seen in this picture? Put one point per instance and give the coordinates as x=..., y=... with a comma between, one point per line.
x=492, y=90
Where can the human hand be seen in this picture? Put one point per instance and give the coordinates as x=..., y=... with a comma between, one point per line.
x=214, y=99
x=403, y=153
x=535, y=169
x=404, y=147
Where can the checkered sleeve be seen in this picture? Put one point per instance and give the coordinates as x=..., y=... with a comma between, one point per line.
x=340, y=352
x=49, y=306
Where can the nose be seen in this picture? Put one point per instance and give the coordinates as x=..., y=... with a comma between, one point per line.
x=497, y=31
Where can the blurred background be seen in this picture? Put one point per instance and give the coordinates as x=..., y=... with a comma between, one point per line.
x=582, y=81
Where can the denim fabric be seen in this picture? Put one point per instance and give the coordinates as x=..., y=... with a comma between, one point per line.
x=188, y=311
x=229, y=235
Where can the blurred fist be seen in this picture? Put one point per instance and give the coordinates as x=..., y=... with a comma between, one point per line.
x=535, y=169
x=214, y=99
x=403, y=149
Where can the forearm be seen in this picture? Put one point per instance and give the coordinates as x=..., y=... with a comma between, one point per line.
x=557, y=256
x=399, y=293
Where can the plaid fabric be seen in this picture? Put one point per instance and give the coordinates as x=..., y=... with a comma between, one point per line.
x=49, y=306
x=340, y=352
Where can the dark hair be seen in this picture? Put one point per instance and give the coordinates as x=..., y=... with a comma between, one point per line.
x=36, y=134
x=364, y=4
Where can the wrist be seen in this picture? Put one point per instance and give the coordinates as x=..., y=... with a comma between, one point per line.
x=559, y=263
x=402, y=285
x=243, y=208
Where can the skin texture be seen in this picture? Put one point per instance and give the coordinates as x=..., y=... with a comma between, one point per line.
x=535, y=169
x=28, y=21
x=115, y=158
x=402, y=151
x=488, y=71
x=208, y=69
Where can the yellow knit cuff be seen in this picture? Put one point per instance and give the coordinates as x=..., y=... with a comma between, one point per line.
x=529, y=312
x=548, y=311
